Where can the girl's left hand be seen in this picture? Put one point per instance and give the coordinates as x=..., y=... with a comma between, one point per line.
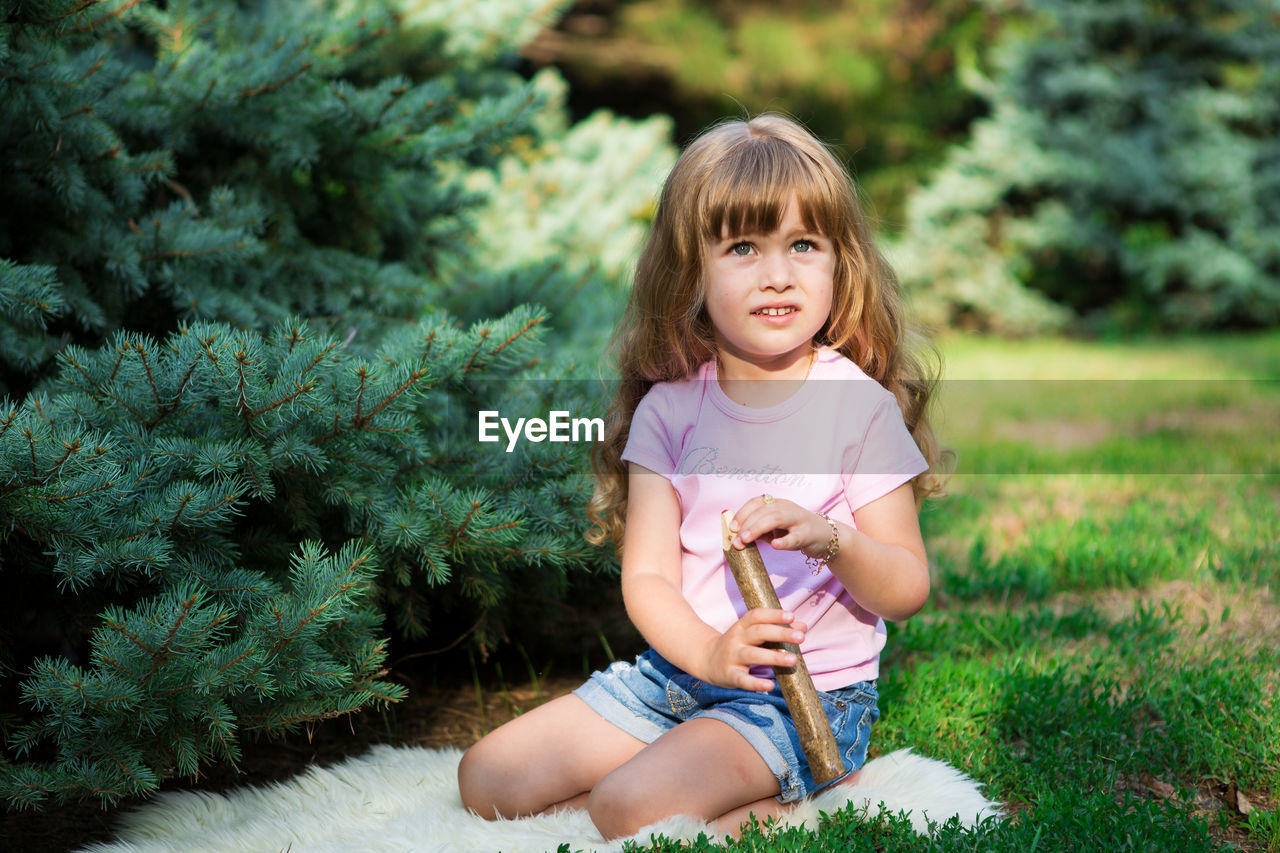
x=784, y=524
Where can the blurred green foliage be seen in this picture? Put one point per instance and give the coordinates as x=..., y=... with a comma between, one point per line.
x=1127, y=177
x=883, y=79
x=1036, y=164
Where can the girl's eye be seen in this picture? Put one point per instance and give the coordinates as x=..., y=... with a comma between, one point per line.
x=740, y=249
x=803, y=246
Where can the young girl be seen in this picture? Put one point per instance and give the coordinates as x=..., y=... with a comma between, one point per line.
x=763, y=370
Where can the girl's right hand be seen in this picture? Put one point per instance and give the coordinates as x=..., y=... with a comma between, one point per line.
x=731, y=655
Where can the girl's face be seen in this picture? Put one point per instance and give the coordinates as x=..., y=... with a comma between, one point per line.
x=768, y=296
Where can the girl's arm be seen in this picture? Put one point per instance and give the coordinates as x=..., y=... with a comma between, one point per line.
x=651, y=591
x=882, y=563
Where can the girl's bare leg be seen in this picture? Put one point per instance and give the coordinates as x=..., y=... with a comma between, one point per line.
x=702, y=768
x=545, y=759
x=565, y=755
x=731, y=822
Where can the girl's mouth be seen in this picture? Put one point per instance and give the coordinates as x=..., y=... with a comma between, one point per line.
x=775, y=312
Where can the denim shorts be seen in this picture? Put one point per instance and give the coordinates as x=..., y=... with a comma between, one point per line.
x=651, y=696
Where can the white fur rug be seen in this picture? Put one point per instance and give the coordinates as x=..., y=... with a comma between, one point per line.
x=406, y=800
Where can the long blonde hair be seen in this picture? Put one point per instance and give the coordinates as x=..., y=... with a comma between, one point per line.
x=737, y=178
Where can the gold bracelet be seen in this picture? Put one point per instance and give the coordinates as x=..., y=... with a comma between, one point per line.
x=816, y=564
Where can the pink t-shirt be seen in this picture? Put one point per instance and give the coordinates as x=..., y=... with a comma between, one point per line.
x=834, y=446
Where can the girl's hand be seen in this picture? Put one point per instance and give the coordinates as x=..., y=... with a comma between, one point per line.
x=730, y=656
x=784, y=524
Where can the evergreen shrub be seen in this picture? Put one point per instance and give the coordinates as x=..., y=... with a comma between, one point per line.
x=248, y=310
x=1128, y=175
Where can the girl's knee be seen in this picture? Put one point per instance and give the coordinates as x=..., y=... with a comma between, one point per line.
x=609, y=814
x=479, y=782
x=617, y=810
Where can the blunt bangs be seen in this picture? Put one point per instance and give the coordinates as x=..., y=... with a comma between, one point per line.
x=749, y=188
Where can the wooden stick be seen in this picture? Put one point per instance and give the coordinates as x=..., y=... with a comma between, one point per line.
x=816, y=739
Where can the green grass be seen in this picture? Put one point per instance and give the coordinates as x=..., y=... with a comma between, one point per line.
x=1102, y=646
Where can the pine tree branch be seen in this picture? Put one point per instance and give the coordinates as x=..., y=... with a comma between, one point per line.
x=510, y=525
x=182, y=192
x=313, y=612
x=271, y=87
x=84, y=28
x=427, y=106
x=338, y=50
x=295, y=719
x=247, y=653
x=462, y=528
x=176, y=32
x=142, y=475
x=396, y=94
x=299, y=390
x=42, y=307
x=180, y=688
x=97, y=66
x=242, y=388
x=184, y=253
x=86, y=108
x=358, y=463
x=165, y=651
x=172, y=406
x=383, y=696
x=484, y=336
x=300, y=387
x=39, y=404
x=60, y=498
x=284, y=641
x=521, y=552
x=73, y=447
x=27, y=80
x=154, y=165
x=31, y=445
x=119, y=627
x=529, y=325
x=430, y=341
x=84, y=4
x=362, y=422
x=371, y=654
x=77, y=685
x=363, y=374
x=457, y=533
x=186, y=498
x=98, y=390
x=111, y=662
x=200, y=104
x=7, y=420
x=139, y=784
x=115, y=368
x=251, y=471
x=218, y=590
x=515, y=336
x=218, y=504
x=146, y=366
x=295, y=337
x=437, y=570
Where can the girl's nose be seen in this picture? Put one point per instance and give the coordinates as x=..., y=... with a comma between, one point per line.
x=775, y=272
